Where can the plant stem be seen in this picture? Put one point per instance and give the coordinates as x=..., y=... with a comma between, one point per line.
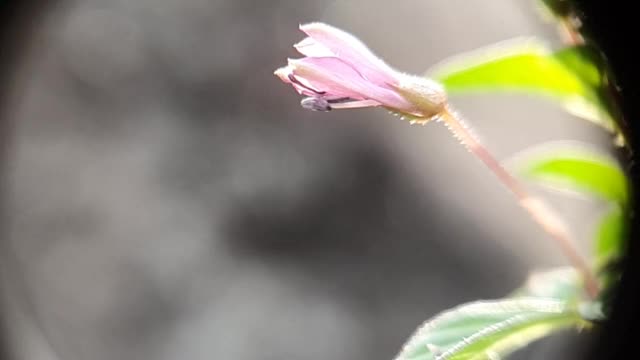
x=537, y=209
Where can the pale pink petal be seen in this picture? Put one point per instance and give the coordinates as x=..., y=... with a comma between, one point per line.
x=303, y=90
x=322, y=104
x=310, y=47
x=335, y=78
x=355, y=104
x=283, y=73
x=351, y=50
x=300, y=85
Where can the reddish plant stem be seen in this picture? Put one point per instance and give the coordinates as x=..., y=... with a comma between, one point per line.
x=537, y=209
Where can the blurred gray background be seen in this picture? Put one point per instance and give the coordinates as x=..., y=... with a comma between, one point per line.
x=169, y=199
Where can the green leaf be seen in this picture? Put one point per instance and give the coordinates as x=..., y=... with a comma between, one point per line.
x=610, y=237
x=559, y=8
x=563, y=283
x=572, y=76
x=584, y=62
x=578, y=170
x=489, y=329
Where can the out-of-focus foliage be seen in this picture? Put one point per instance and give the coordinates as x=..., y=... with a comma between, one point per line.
x=578, y=170
x=562, y=283
x=490, y=329
x=559, y=8
x=587, y=172
x=575, y=77
x=610, y=236
x=550, y=300
x=572, y=76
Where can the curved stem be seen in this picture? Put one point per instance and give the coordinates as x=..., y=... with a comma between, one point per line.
x=537, y=209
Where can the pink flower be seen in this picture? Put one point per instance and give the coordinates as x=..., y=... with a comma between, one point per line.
x=339, y=71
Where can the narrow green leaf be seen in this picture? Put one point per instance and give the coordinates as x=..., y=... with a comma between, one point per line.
x=571, y=76
x=610, y=237
x=578, y=170
x=563, y=283
x=489, y=329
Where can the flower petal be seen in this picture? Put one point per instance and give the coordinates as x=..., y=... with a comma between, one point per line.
x=312, y=48
x=322, y=104
x=300, y=85
x=349, y=49
x=336, y=79
x=355, y=104
x=283, y=73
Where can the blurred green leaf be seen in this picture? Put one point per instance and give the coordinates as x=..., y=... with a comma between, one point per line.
x=571, y=76
x=578, y=170
x=610, y=237
x=559, y=8
x=563, y=283
x=489, y=329
x=584, y=62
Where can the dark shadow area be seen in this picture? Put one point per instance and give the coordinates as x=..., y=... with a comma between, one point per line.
x=613, y=26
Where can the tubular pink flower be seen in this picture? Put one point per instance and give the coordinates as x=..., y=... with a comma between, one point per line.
x=339, y=71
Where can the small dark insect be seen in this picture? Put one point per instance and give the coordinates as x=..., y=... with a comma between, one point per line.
x=315, y=104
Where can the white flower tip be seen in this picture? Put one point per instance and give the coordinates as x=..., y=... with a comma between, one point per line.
x=283, y=73
x=315, y=25
x=304, y=42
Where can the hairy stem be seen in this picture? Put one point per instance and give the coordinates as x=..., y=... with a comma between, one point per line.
x=537, y=209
